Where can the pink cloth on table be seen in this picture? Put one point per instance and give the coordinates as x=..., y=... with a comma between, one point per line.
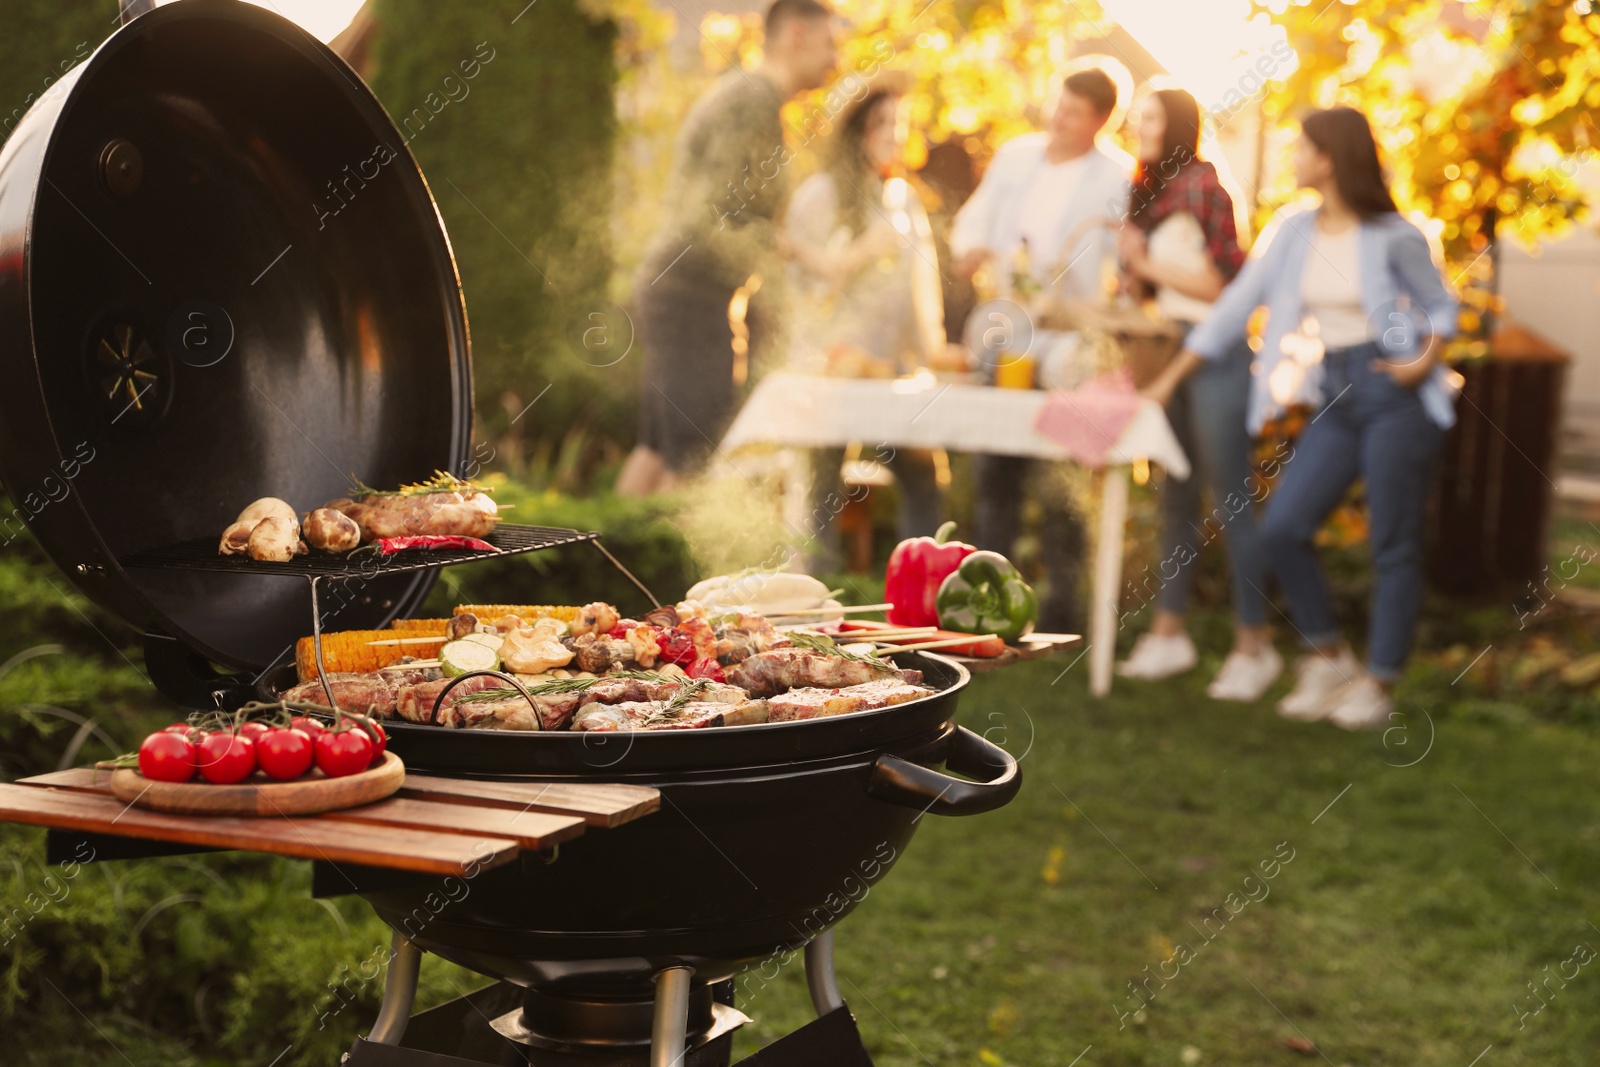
x=1089, y=421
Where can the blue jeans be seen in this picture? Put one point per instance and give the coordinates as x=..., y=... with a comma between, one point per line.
x=1207, y=412
x=1375, y=429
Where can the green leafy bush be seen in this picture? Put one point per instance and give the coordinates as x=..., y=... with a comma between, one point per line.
x=642, y=534
x=518, y=158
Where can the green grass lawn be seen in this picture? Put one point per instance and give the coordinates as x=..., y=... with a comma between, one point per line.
x=1436, y=871
x=1439, y=873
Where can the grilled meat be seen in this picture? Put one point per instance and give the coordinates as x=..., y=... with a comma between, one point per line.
x=403, y=673
x=397, y=515
x=515, y=713
x=737, y=707
x=744, y=712
x=366, y=694
x=816, y=703
x=620, y=690
x=556, y=709
x=750, y=634
x=768, y=673
x=635, y=704
x=415, y=702
x=648, y=715
x=512, y=712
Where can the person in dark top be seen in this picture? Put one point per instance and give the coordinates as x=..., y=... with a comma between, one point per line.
x=728, y=181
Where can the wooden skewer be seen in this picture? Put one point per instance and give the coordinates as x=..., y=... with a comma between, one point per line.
x=848, y=609
x=882, y=636
x=946, y=643
x=392, y=641
x=420, y=664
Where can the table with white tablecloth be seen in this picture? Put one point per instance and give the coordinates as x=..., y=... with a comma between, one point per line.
x=798, y=411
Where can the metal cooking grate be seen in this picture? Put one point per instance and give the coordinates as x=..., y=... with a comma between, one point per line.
x=202, y=555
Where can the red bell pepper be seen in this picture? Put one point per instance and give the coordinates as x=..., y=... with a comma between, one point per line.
x=916, y=567
x=707, y=668
x=677, y=647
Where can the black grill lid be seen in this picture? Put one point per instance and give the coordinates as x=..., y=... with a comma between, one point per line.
x=222, y=277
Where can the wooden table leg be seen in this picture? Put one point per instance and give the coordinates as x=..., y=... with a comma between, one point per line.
x=1107, y=578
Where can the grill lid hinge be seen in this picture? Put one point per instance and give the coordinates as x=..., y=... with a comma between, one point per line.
x=183, y=675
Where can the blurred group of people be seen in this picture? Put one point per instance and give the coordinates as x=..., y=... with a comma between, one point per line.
x=1356, y=315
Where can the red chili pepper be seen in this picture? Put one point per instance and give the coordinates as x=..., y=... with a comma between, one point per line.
x=388, y=546
x=916, y=567
x=706, y=668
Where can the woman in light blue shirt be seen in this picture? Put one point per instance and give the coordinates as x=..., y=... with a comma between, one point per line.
x=1357, y=315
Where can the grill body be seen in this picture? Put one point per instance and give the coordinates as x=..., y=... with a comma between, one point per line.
x=738, y=867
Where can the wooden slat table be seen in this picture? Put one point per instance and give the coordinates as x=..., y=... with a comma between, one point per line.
x=432, y=826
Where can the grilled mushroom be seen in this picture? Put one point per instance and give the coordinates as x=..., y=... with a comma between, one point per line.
x=235, y=539
x=267, y=506
x=276, y=539
x=331, y=531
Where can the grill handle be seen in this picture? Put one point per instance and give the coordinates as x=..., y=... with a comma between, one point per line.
x=998, y=778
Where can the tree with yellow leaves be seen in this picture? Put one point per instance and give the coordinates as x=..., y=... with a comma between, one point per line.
x=981, y=69
x=1482, y=109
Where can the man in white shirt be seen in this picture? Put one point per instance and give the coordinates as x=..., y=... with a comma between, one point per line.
x=1057, y=190
x=1056, y=195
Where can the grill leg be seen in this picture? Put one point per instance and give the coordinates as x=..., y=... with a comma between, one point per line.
x=399, y=990
x=824, y=984
x=669, y=1034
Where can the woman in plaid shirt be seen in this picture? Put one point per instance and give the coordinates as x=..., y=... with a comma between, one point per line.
x=1180, y=245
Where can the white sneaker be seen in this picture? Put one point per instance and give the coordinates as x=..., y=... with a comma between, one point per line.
x=1245, y=677
x=1363, y=705
x=1155, y=657
x=1320, y=677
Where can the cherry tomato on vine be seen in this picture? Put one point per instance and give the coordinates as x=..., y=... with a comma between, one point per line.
x=253, y=730
x=308, y=724
x=167, y=757
x=177, y=728
x=343, y=752
x=227, y=758
x=378, y=736
x=285, y=753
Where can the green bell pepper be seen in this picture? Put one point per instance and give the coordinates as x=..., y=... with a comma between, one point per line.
x=986, y=595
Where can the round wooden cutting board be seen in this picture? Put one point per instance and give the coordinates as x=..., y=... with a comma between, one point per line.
x=260, y=795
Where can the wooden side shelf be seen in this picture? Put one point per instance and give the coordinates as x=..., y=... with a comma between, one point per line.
x=432, y=826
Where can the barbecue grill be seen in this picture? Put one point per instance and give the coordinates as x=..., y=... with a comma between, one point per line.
x=183, y=329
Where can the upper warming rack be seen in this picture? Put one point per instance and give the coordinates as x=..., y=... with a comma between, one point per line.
x=202, y=555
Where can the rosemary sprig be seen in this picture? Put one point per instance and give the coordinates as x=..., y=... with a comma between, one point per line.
x=815, y=642
x=559, y=685
x=441, y=482
x=673, y=707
